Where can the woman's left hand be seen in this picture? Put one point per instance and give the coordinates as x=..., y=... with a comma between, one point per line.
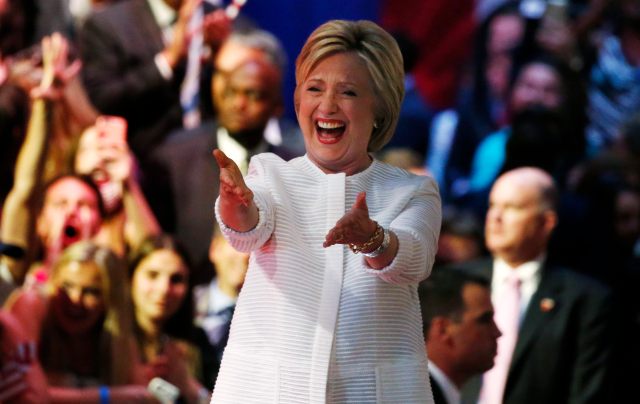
x=355, y=227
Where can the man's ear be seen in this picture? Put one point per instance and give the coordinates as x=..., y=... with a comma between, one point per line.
x=550, y=220
x=439, y=328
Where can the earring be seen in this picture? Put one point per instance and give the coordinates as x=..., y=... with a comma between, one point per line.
x=375, y=125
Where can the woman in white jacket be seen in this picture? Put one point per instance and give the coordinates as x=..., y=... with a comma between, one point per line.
x=339, y=241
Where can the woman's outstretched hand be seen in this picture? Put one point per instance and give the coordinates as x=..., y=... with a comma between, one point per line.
x=237, y=209
x=355, y=227
x=232, y=185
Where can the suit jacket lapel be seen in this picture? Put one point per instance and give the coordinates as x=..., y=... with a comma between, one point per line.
x=438, y=395
x=542, y=307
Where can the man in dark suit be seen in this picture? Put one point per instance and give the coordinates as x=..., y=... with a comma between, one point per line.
x=561, y=320
x=185, y=174
x=460, y=334
x=135, y=55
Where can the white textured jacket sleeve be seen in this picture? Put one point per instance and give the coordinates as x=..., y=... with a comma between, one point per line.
x=417, y=229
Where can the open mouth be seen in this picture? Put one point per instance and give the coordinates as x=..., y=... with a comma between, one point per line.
x=330, y=131
x=71, y=234
x=70, y=231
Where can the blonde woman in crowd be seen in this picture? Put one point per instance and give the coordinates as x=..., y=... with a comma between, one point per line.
x=81, y=323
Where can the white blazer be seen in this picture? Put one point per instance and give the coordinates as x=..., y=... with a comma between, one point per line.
x=317, y=325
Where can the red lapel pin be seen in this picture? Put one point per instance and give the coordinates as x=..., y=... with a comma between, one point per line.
x=547, y=304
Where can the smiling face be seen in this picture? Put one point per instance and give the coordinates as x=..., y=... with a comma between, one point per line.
x=159, y=286
x=79, y=304
x=336, y=111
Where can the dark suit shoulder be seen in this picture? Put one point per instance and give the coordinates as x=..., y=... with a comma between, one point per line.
x=183, y=143
x=576, y=282
x=183, y=136
x=112, y=12
x=479, y=267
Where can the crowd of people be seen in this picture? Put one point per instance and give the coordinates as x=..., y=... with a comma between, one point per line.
x=453, y=223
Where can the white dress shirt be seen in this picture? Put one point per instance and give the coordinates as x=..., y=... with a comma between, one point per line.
x=529, y=275
x=450, y=391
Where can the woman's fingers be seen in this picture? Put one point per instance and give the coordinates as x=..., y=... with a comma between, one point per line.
x=355, y=227
x=221, y=158
x=231, y=181
x=361, y=203
x=334, y=236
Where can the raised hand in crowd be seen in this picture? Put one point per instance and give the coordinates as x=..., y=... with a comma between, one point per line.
x=178, y=48
x=104, y=155
x=216, y=27
x=171, y=365
x=49, y=73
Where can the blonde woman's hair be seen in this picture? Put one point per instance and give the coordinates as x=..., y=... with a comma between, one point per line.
x=383, y=60
x=116, y=336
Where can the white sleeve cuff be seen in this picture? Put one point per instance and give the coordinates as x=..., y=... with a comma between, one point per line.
x=256, y=237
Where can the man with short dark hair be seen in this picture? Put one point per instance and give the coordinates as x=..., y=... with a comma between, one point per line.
x=460, y=334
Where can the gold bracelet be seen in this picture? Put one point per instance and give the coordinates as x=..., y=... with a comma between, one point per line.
x=386, y=241
x=358, y=248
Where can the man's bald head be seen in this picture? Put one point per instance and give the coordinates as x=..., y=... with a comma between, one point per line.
x=535, y=179
x=521, y=215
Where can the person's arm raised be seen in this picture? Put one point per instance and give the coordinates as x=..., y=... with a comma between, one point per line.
x=18, y=215
x=237, y=208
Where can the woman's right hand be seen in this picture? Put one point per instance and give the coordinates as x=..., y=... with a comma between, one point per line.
x=236, y=206
x=232, y=186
